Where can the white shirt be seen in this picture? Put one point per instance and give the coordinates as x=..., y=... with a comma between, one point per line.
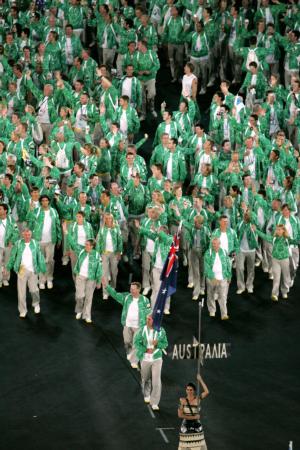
x=127, y=87
x=81, y=116
x=43, y=114
x=170, y=167
x=224, y=241
x=61, y=160
x=81, y=235
x=158, y=260
x=123, y=122
x=150, y=245
x=217, y=268
x=69, y=51
x=109, y=243
x=167, y=129
x=84, y=270
x=132, y=319
x=46, y=233
x=27, y=261
x=2, y=232
x=187, y=82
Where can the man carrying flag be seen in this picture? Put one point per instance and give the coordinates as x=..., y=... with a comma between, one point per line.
x=164, y=271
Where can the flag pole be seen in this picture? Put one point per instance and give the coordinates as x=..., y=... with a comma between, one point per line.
x=199, y=351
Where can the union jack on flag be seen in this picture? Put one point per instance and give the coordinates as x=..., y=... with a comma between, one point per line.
x=168, y=282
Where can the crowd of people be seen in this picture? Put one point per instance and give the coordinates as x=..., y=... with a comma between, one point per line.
x=77, y=79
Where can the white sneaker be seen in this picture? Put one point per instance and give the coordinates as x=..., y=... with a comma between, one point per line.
x=211, y=83
x=146, y=290
x=202, y=91
x=50, y=284
x=202, y=292
x=147, y=399
x=212, y=314
x=37, y=309
x=154, y=114
x=155, y=407
x=250, y=291
x=78, y=316
x=65, y=261
x=274, y=298
x=142, y=118
x=125, y=258
x=167, y=312
x=105, y=296
x=42, y=285
x=240, y=291
x=271, y=276
x=285, y=296
x=134, y=366
x=190, y=285
x=257, y=263
x=88, y=321
x=22, y=315
x=195, y=297
x=5, y=283
x=225, y=318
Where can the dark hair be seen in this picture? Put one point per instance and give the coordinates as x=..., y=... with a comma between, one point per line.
x=192, y=385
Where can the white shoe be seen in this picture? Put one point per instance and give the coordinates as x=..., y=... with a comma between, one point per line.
x=22, y=315
x=88, y=321
x=105, y=296
x=225, y=318
x=37, y=309
x=202, y=91
x=125, y=258
x=134, y=366
x=250, y=291
x=291, y=285
x=146, y=290
x=147, y=399
x=271, y=276
x=155, y=407
x=142, y=118
x=195, y=297
x=257, y=263
x=65, y=261
x=190, y=285
x=167, y=312
x=240, y=291
x=42, y=285
x=128, y=356
x=212, y=314
x=285, y=296
x=78, y=316
x=211, y=83
x=154, y=114
x=202, y=292
x=50, y=284
x=5, y=283
x=274, y=298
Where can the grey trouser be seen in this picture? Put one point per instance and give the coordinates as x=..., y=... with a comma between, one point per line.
x=267, y=256
x=235, y=62
x=124, y=231
x=151, y=380
x=4, y=257
x=109, y=56
x=196, y=262
x=47, y=128
x=146, y=265
x=175, y=53
x=156, y=281
x=281, y=274
x=201, y=70
x=148, y=93
x=30, y=278
x=128, y=336
x=110, y=263
x=120, y=59
x=84, y=296
x=48, y=253
x=243, y=258
x=220, y=288
x=294, y=262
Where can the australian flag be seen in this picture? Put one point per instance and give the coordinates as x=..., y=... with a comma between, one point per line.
x=168, y=283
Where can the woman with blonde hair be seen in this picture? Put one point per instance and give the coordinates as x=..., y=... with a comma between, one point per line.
x=280, y=260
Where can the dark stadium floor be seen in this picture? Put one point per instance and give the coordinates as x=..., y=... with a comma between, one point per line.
x=68, y=386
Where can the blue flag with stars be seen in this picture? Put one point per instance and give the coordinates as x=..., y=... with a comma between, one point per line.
x=168, y=283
